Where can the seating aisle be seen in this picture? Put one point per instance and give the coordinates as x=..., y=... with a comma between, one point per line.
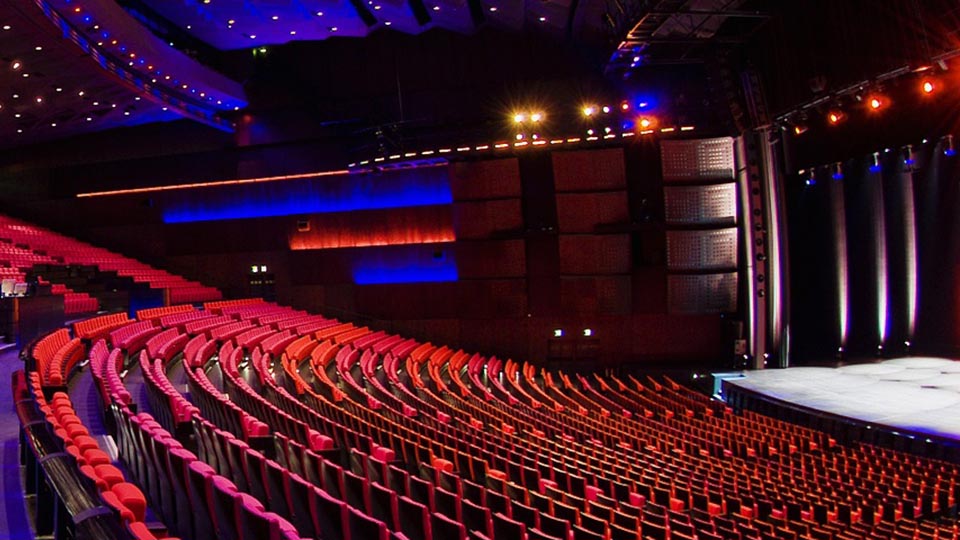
x=13, y=510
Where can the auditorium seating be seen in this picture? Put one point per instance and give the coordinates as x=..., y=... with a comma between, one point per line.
x=307, y=426
x=23, y=245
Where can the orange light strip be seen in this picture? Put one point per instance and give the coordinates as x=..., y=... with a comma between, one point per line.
x=296, y=245
x=173, y=187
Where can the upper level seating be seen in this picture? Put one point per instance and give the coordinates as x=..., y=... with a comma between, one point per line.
x=22, y=245
x=345, y=432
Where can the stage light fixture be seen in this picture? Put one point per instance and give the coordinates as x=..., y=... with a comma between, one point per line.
x=606, y=110
x=624, y=106
x=927, y=86
x=519, y=118
x=589, y=110
x=587, y=332
x=16, y=65
x=836, y=116
x=907, y=154
x=558, y=332
x=875, y=162
x=536, y=117
x=947, y=143
x=876, y=103
x=837, y=171
x=800, y=128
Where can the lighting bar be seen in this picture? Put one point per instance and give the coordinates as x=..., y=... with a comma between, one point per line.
x=523, y=144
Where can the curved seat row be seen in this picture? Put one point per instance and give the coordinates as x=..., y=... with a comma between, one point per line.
x=346, y=432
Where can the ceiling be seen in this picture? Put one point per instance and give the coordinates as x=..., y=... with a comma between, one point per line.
x=232, y=24
x=50, y=89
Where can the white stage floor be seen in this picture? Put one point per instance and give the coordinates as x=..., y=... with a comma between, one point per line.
x=917, y=394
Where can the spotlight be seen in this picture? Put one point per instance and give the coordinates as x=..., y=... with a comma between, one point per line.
x=557, y=332
x=875, y=162
x=587, y=332
x=876, y=103
x=947, y=143
x=928, y=86
x=519, y=136
x=518, y=118
x=800, y=129
x=647, y=122
x=624, y=106
x=811, y=179
x=907, y=154
x=837, y=171
x=536, y=117
x=15, y=65
x=589, y=110
x=605, y=109
x=835, y=116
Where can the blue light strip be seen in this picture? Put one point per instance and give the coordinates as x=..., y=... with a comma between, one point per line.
x=408, y=274
x=421, y=187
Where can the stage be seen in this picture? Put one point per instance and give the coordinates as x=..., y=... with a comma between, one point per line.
x=919, y=396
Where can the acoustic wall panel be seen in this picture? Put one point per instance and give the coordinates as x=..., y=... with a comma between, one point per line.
x=702, y=250
x=605, y=295
x=702, y=293
x=589, y=170
x=697, y=159
x=491, y=259
x=584, y=212
x=483, y=219
x=701, y=205
x=487, y=179
x=594, y=255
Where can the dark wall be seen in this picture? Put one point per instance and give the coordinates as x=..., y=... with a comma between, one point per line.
x=544, y=240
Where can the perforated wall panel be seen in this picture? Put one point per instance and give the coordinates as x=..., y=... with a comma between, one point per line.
x=702, y=293
x=700, y=159
x=702, y=250
x=715, y=203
